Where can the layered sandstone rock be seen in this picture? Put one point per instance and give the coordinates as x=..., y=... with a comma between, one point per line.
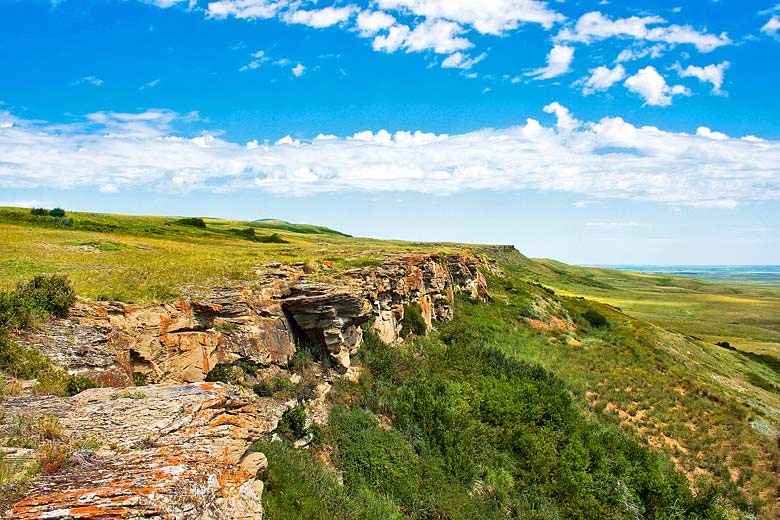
x=117, y=343
x=167, y=451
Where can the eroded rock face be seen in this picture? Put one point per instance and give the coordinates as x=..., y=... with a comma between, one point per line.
x=117, y=343
x=181, y=451
x=168, y=451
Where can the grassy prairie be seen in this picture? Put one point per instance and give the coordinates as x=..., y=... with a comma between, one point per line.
x=746, y=314
x=142, y=259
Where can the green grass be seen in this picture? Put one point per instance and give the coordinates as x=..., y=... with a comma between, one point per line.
x=742, y=313
x=712, y=411
x=145, y=259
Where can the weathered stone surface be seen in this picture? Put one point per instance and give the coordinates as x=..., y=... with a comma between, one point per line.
x=168, y=451
x=114, y=342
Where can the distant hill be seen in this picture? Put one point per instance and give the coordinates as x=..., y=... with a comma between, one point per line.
x=307, y=229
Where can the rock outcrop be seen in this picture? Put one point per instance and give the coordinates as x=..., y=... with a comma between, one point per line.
x=120, y=344
x=181, y=449
x=167, y=451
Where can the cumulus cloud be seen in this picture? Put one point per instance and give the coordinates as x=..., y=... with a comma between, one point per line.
x=558, y=61
x=298, y=70
x=459, y=60
x=710, y=74
x=566, y=122
x=89, y=80
x=439, y=36
x=486, y=16
x=442, y=37
x=772, y=27
x=654, y=51
x=606, y=158
x=245, y=9
x=601, y=78
x=371, y=22
x=441, y=26
x=320, y=18
x=649, y=84
x=595, y=26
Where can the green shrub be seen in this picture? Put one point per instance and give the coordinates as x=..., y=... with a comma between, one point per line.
x=298, y=487
x=192, y=221
x=57, y=213
x=273, y=238
x=292, y=425
x=413, y=321
x=139, y=379
x=372, y=457
x=52, y=294
x=21, y=362
x=224, y=373
x=300, y=360
x=595, y=318
x=273, y=386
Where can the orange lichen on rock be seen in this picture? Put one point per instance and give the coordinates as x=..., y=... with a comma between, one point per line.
x=172, y=451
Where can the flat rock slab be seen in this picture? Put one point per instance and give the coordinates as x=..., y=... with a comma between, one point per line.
x=167, y=451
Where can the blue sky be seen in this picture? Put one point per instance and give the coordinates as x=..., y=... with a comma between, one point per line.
x=587, y=131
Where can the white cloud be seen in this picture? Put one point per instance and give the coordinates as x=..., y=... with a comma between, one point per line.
x=595, y=26
x=607, y=158
x=649, y=84
x=654, y=51
x=439, y=36
x=298, y=70
x=710, y=74
x=703, y=131
x=442, y=37
x=245, y=9
x=558, y=61
x=772, y=27
x=257, y=62
x=91, y=80
x=371, y=22
x=165, y=3
x=459, y=60
x=150, y=84
x=320, y=18
x=486, y=16
x=393, y=40
x=566, y=122
x=22, y=203
x=601, y=78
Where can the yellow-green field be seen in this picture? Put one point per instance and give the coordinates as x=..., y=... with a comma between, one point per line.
x=141, y=259
x=747, y=315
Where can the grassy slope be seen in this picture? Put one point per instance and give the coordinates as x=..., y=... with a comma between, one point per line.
x=704, y=405
x=744, y=314
x=690, y=399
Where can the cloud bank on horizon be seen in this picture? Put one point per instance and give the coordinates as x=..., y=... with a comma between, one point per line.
x=609, y=158
x=654, y=59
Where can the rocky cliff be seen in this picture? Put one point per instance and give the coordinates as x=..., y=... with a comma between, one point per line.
x=119, y=343
x=176, y=447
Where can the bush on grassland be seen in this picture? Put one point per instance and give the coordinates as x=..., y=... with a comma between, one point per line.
x=22, y=309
